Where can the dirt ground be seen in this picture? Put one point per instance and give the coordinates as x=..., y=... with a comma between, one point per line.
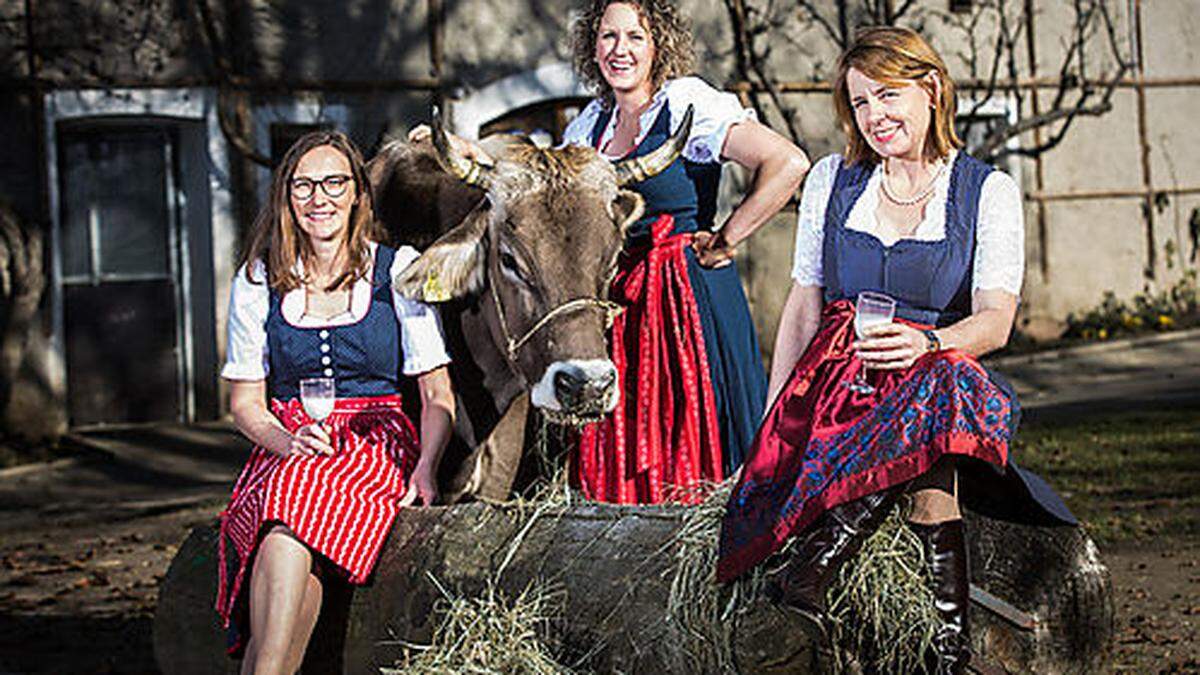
x=77, y=595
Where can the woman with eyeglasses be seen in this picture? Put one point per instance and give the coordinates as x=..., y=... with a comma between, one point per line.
x=313, y=299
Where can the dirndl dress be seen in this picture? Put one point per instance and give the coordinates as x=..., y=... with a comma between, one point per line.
x=340, y=506
x=822, y=445
x=686, y=351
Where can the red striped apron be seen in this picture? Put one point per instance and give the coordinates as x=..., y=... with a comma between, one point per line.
x=340, y=506
x=662, y=440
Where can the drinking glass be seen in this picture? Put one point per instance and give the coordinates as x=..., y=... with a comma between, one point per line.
x=317, y=395
x=870, y=309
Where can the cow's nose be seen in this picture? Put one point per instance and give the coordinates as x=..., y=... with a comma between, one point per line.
x=600, y=385
x=570, y=384
x=578, y=389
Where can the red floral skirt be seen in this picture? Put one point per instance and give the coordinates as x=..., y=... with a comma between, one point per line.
x=341, y=506
x=822, y=445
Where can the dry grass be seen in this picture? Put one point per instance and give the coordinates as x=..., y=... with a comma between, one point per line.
x=703, y=612
x=881, y=608
x=491, y=635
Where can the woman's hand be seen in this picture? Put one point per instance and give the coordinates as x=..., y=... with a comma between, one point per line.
x=892, y=346
x=422, y=486
x=310, y=440
x=465, y=148
x=711, y=250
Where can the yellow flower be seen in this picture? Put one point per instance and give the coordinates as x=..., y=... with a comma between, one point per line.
x=1102, y=333
x=1165, y=321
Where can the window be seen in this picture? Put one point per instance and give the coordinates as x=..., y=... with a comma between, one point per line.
x=547, y=119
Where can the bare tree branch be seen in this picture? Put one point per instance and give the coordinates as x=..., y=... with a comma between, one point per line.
x=751, y=63
x=227, y=95
x=1076, y=92
x=838, y=35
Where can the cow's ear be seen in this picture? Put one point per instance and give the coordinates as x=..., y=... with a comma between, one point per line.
x=627, y=208
x=452, y=266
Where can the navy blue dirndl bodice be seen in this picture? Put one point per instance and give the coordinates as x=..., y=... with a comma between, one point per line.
x=685, y=190
x=931, y=282
x=363, y=357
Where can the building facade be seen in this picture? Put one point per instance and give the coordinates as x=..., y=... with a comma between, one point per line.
x=141, y=138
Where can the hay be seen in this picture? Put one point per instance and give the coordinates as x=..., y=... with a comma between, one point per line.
x=491, y=635
x=695, y=607
x=881, y=608
x=881, y=613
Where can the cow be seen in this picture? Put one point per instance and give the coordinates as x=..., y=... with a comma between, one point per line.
x=518, y=255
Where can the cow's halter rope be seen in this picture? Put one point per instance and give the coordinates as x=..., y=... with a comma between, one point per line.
x=610, y=309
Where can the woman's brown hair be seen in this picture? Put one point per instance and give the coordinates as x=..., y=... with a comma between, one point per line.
x=276, y=238
x=896, y=56
x=670, y=31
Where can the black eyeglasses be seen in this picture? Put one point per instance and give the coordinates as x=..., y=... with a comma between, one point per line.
x=333, y=186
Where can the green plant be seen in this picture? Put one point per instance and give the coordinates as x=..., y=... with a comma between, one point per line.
x=1174, y=307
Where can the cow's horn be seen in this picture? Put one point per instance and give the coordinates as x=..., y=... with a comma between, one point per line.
x=637, y=169
x=465, y=169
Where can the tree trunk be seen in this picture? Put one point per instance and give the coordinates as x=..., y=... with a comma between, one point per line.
x=21, y=285
x=616, y=565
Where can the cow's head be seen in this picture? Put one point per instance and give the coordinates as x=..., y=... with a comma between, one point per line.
x=541, y=249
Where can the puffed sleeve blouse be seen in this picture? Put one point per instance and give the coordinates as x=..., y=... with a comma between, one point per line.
x=421, y=337
x=999, y=237
x=715, y=111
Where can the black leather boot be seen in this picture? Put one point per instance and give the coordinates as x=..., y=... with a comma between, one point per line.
x=946, y=555
x=835, y=537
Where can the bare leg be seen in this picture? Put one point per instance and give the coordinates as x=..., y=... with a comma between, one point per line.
x=310, y=610
x=935, y=495
x=249, y=656
x=278, y=586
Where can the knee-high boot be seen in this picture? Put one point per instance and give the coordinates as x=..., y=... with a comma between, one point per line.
x=835, y=537
x=946, y=555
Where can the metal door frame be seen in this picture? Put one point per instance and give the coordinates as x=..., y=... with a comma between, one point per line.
x=177, y=254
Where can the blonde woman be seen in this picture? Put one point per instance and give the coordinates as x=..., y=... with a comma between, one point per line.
x=906, y=213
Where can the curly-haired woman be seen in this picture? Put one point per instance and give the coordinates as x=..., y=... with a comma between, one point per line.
x=693, y=388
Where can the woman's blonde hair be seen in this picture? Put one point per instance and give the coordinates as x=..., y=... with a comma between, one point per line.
x=896, y=56
x=670, y=31
x=276, y=238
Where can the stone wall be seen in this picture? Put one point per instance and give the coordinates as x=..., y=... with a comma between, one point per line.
x=367, y=66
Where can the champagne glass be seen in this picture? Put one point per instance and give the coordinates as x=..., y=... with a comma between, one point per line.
x=317, y=395
x=870, y=309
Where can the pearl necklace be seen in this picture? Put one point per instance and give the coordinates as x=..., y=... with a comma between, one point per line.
x=922, y=196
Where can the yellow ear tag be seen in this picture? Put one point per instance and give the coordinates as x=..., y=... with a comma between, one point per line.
x=433, y=291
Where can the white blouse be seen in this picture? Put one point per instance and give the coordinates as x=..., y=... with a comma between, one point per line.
x=246, y=349
x=715, y=112
x=999, y=231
